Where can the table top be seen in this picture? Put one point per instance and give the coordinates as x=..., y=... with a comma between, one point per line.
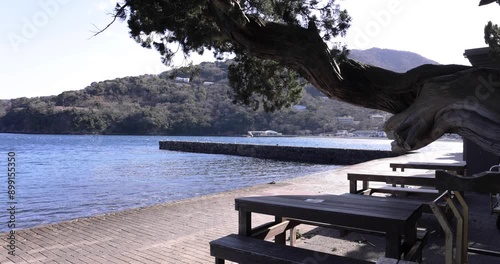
x=429, y=165
x=395, y=178
x=381, y=214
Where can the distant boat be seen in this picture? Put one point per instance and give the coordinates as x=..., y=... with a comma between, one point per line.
x=266, y=133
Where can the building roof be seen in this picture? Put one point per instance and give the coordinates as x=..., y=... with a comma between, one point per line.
x=480, y=57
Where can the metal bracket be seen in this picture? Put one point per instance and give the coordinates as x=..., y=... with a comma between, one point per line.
x=462, y=239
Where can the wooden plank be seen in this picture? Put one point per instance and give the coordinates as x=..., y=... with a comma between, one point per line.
x=458, y=167
x=326, y=204
x=409, y=191
x=364, y=205
x=372, y=214
x=250, y=250
x=293, y=236
x=485, y=182
x=272, y=229
x=417, y=180
x=340, y=228
x=415, y=201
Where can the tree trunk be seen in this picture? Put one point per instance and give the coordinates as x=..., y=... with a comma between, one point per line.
x=427, y=101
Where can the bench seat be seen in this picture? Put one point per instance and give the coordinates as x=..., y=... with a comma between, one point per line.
x=406, y=191
x=247, y=250
x=459, y=167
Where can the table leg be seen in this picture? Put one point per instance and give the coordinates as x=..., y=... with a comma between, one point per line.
x=365, y=185
x=244, y=223
x=281, y=238
x=353, y=186
x=393, y=245
x=410, y=238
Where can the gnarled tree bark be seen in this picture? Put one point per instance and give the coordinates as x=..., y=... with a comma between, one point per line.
x=426, y=101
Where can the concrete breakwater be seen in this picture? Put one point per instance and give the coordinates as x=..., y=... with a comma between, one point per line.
x=283, y=153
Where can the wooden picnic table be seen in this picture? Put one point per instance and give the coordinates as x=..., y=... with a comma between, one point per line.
x=459, y=167
x=395, y=219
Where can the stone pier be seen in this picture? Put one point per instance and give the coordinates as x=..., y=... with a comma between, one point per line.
x=282, y=153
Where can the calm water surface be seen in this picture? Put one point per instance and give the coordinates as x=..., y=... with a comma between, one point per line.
x=62, y=177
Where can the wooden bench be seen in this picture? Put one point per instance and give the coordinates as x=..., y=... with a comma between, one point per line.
x=459, y=168
x=425, y=180
x=242, y=249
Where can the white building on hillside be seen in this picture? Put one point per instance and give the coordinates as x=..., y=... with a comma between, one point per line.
x=266, y=133
x=180, y=79
x=377, y=118
x=345, y=120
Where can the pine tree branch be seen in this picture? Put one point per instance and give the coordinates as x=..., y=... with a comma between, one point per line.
x=115, y=16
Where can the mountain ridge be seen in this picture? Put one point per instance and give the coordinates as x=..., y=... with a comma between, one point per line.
x=394, y=60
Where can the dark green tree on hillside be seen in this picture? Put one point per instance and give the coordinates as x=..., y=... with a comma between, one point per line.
x=290, y=38
x=492, y=33
x=492, y=38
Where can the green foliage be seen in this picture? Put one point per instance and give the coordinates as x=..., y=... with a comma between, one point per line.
x=327, y=16
x=189, y=26
x=152, y=104
x=492, y=38
x=255, y=80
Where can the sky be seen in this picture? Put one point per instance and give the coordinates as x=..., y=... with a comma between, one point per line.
x=46, y=46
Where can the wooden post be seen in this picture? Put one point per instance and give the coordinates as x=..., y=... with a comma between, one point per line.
x=280, y=238
x=353, y=186
x=393, y=245
x=244, y=223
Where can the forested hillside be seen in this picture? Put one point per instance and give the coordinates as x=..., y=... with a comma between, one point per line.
x=167, y=104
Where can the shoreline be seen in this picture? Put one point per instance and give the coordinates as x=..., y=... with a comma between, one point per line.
x=221, y=136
